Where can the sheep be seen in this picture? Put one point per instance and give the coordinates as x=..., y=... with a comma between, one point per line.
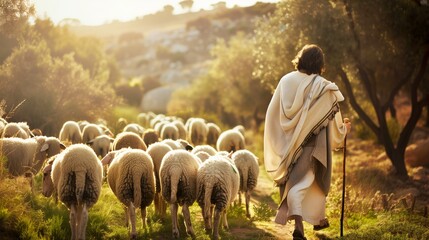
x=178, y=144
x=144, y=119
x=128, y=139
x=204, y=148
x=230, y=140
x=218, y=182
x=16, y=129
x=91, y=131
x=28, y=155
x=178, y=178
x=150, y=136
x=170, y=131
x=240, y=128
x=75, y=177
x=70, y=132
x=181, y=127
x=197, y=133
x=135, y=128
x=203, y=156
x=82, y=124
x=36, y=132
x=157, y=151
x=212, y=133
x=248, y=168
x=101, y=145
x=131, y=177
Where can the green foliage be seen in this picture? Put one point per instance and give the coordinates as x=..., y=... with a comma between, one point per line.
x=263, y=212
x=14, y=15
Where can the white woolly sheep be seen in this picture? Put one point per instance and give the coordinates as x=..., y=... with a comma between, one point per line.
x=230, y=140
x=128, y=139
x=204, y=148
x=203, y=156
x=240, y=128
x=135, y=128
x=70, y=132
x=16, y=129
x=169, y=131
x=101, y=145
x=248, y=167
x=82, y=124
x=197, y=134
x=218, y=183
x=91, y=131
x=181, y=127
x=178, y=144
x=212, y=133
x=178, y=176
x=157, y=151
x=150, y=136
x=131, y=178
x=28, y=155
x=75, y=176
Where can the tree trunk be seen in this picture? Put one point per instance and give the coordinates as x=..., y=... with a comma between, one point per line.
x=398, y=162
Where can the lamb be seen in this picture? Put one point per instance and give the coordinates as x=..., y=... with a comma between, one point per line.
x=16, y=129
x=128, y=139
x=248, y=168
x=27, y=155
x=170, y=131
x=70, y=132
x=91, y=131
x=212, y=133
x=101, y=145
x=218, y=183
x=150, y=136
x=131, y=178
x=197, y=134
x=157, y=151
x=230, y=140
x=178, y=178
x=75, y=176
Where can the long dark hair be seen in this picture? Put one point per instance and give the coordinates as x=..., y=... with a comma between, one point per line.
x=310, y=59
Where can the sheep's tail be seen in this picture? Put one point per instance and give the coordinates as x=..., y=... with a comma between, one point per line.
x=137, y=183
x=175, y=174
x=208, y=189
x=244, y=175
x=80, y=185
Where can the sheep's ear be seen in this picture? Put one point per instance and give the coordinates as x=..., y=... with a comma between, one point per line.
x=189, y=147
x=62, y=146
x=108, y=158
x=45, y=147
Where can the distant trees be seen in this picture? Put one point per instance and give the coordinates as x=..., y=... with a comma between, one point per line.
x=186, y=4
x=375, y=48
x=56, y=76
x=14, y=15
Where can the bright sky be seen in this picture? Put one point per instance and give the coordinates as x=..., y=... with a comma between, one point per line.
x=96, y=12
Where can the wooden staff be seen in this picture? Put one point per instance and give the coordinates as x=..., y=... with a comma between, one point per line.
x=344, y=185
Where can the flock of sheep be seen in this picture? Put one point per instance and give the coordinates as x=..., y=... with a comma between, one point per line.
x=160, y=159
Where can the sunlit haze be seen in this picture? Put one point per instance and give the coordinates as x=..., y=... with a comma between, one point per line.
x=96, y=12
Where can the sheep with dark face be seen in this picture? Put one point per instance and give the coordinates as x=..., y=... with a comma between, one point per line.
x=131, y=177
x=75, y=176
x=218, y=183
x=248, y=167
x=178, y=178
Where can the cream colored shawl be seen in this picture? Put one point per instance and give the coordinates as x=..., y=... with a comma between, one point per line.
x=301, y=105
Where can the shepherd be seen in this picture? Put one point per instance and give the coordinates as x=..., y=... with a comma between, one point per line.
x=302, y=125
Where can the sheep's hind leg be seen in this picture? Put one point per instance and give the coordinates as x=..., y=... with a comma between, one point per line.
x=187, y=216
x=173, y=208
x=216, y=223
x=82, y=221
x=247, y=194
x=73, y=221
x=132, y=215
x=144, y=218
